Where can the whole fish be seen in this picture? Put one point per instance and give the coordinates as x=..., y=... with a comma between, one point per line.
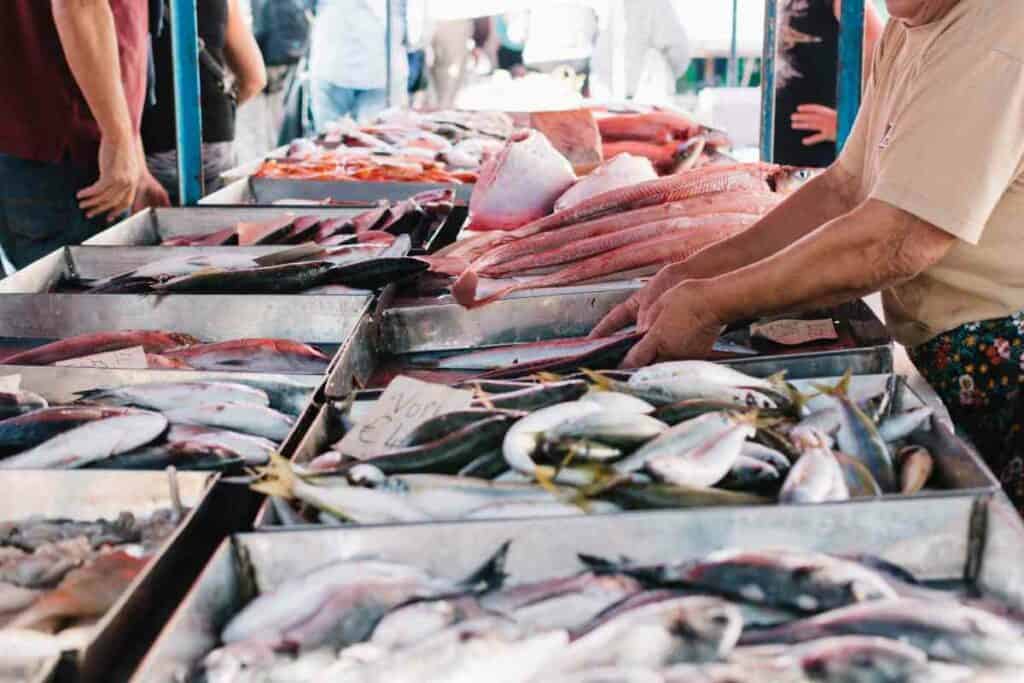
x=164, y=269
x=802, y=581
x=916, y=466
x=407, y=625
x=441, y=425
x=857, y=478
x=170, y=395
x=614, y=428
x=668, y=497
x=286, y=395
x=518, y=354
x=523, y=437
x=253, y=355
x=687, y=409
x=751, y=474
x=852, y=659
x=686, y=629
x=955, y=633
x=152, y=341
x=899, y=426
x=238, y=417
x=251, y=450
x=696, y=453
x=512, y=598
x=344, y=600
x=540, y=396
x=858, y=436
x=620, y=402
x=14, y=403
x=812, y=479
x=680, y=380
x=90, y=442
x=770, y=456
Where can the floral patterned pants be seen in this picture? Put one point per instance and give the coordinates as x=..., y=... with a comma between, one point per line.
x=978, y=371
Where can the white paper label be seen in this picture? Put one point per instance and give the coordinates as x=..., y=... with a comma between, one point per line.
x=132, y=358
x=10, y=383
x=404, y=405
x=792, y=332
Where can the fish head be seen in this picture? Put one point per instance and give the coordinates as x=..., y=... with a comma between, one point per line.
x=809, y=438
x=706, y=628
x=789, y=179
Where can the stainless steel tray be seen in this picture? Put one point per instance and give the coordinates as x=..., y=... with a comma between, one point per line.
x=152, y=226
x=265, y=191
x=323, y=320
x=959, y=468
x=127, y=628
x=935, y=542
x=61, y=384
x=574, y=311
x=98, y=262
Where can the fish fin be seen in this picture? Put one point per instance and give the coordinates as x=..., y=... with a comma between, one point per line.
x=545, y=477
x=600, y=380
x=482, y=396
x=778, y=379
x=842, y=388
x=600, y=564
x=491, y=574
x=276, y=478
x=547, y=377
x=464, y=287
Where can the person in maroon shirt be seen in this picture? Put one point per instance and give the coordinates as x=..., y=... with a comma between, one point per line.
x=72, y=87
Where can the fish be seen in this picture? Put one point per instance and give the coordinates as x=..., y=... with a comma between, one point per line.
x=749, y=474
x=253, y=355
x=486, y=466
x=537, y=175
x=285, y=395
x=955, y=633
x=34, y=533
x=407, y=625
x=170, y=395
x=916, y=465
x=46, y=566
x=851, y=659
x=684, y=629
x=90, y=442
x=264, y=232
x=343, y=601
x=619, y=171
x=859, y=437
x=152, y=341
x=696, y=453
x=680, y=380
x=857, y=477
x=609, y=427
x=640, y=496
x=250, y=418
x=138, y=279
x=606, y=674
x=519, y=354
x=522, y=439
x=16, y=598
x=687, y=409
x=15, y=403
x=771, y=456
x=900, y=426
x=812, y=478
x=618, y=401
x=574, y=133
x=26, y=653
x=655, y=126
x=607, y=354
x=439, y=426
x=539, y=396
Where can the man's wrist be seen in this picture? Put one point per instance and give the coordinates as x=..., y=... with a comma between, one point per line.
x=709, y=309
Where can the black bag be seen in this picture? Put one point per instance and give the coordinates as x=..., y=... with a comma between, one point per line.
x=282, y=29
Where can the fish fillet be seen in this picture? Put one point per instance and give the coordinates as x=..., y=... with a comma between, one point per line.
x=623, y=170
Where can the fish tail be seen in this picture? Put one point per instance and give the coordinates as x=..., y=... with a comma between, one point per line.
x=842, y=388
x=599, y=379
x=275, y=479
x=465, y=286
x=547, y=377
x=491, y=574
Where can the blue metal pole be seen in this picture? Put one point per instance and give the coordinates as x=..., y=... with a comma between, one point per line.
x=768, y=81
x=851, y=67
x=733, y=73
x=188, y=122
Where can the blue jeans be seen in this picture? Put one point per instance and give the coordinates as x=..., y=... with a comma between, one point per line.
x=331, y=102
x=38, y=208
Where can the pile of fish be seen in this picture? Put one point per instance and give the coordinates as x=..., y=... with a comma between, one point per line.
x=734, y=616
x=672, y=435
x=617, y=223
x=419, y=217
x=669, y=140
x=58, y=577
x=195, y=425
x=302, y=270
x=178, y=351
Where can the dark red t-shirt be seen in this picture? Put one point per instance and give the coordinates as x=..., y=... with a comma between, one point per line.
x=43, y=115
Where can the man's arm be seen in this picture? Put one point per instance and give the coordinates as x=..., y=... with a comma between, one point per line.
x=89, y=40
x=871, y=248
x=820, y=200
x=243, y=54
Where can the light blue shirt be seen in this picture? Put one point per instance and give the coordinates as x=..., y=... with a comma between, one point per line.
x=349, y=45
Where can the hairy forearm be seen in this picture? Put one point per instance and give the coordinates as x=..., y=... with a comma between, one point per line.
x=871, y=248
x=819, y=201
x=89, y=40
x=243, y=55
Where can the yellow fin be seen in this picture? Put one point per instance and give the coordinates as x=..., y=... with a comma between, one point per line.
x=601, y=382
x=276, y=478
x=547, y=377
x=482, y=396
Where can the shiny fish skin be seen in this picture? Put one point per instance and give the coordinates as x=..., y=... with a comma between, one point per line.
x=856, y=659
x=520, y=354
x=771, y=456
x=522, y=439
x=811, y=479
x=858, y=436
x=617, y=401
x=246, y=418
x=152, y=341
x=161, y=396
x=899, y=426
x=407, y=625
x=614, y=428
x=15, y=403
x=857, y=477
x=916, y=466
x=749, y=474
x=537, y=397
x=438, y=427
x=90, y=442
x=681, y=380
x=253, y=355
x=31, y=429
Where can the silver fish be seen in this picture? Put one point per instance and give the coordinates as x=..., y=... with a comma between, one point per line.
x=409, y=624
x=91, y=442
x=812, y=479
x=858, y=436
x=771, y=456
x=615, y=428
x=900, y=426
x=858, y=659
x=618, y=401
x=680, y=380
x=162, y=396
x=14, y=403
x=522, y=439
x=916, y=465
x=239, y=417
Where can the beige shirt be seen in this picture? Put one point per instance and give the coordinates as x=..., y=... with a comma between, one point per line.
x=941, y=135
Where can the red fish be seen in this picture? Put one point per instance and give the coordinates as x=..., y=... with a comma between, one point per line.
x=152, y=341
x=253, y=355
x=655, y=126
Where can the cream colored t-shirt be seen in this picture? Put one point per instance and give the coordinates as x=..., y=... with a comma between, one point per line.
x=941, y=135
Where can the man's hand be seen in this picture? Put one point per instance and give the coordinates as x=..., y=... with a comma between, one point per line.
x=150, y=193
x=817, y=118
x=634, y=309
x=682, y=327
x=120, y=170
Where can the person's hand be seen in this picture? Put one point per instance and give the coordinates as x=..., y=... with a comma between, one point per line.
x=682, y=327
x=817, y=118
x=120, y=168
x=150, y=193
x=635, y=308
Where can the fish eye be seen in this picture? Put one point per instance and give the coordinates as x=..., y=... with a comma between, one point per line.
x=721, y=619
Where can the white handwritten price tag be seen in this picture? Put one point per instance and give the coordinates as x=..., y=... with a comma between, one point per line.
x=404, y=405
x=792, y=332
x=133, y=358
x=10, y=383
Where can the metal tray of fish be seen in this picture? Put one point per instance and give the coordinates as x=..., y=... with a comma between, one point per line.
x=27, y=320
x=960, y=473
x=952, y=543
x=295, y=193
x=63, y=385
x=123, y=633
x=63, y=266
x=422, y=332
x=153, y=226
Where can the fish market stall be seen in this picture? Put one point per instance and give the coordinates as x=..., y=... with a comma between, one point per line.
x=760, y=554
x=121, y=598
